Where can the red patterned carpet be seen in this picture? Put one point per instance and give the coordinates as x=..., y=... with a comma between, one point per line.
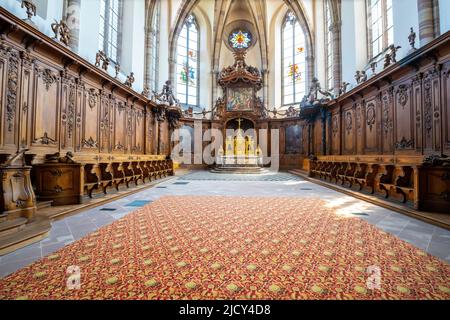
x=234, y=248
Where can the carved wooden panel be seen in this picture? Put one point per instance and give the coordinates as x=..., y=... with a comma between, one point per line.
x=418, y=115
x=139, y=132
x=120, y=117
x=431, y=109
x=79, y=111
x=3, y=77
x=371, y=115
x=359, y=123
x=68, y=111
x=404, y=121
x=105, y=122
x=387, y=121
x=90, y=115
x=11, y=99
x=129, y=128
x=335, y=135
x=446, y=107
x=26, y=100
x=348, y=131
x=46, y=97
x=149, y=134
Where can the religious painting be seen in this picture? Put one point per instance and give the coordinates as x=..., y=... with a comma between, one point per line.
x=239, y=99
x=293, y=139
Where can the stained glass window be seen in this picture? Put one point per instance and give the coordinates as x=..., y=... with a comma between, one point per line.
x=154, y=47
x=240, y=39
x=329, y=46
x=110, y=14
x=187, y=63
x=293, y=62
x=381, y=25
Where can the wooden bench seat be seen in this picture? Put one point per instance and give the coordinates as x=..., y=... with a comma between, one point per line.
x=389, y=180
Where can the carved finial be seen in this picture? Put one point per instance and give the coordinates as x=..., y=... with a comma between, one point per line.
x=130, y=80
x=31, y=8
x=101, y=58
x=358, y=77
x=363, y=76
x=387, y=60
x=412, y=39
x=117, y=69
x=343, y=88
x=373, y=67
x=61, y=31
x=394, y=50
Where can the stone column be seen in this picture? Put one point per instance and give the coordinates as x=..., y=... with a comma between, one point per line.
x=72, y=16
x=337, y=63
x=428, y=29
x=310, y=72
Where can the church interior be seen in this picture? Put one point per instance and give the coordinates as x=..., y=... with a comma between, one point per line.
x=225, y=149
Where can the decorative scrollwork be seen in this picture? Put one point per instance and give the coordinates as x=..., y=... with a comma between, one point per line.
x=370, y=115
x=405, y=144
x=11, y=93
x=89, y=143
x=45, y=139
x=49, y=78
x=402, y=95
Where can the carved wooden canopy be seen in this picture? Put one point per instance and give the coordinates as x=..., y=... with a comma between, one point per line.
x=240, y=74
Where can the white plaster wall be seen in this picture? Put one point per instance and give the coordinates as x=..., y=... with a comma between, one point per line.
x=133, y=41
x=164, y=42
x=348, y=41
x=444, y=15
x=89, y=29
x=405, y=16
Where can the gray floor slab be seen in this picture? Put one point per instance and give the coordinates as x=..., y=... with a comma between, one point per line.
x=434, y=240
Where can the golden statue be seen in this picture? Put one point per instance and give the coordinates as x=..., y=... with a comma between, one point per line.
x=229, y=151
x=249, y=146
x=239, y=144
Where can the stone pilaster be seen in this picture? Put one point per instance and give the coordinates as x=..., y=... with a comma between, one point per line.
x=72, y=16
x=337, y=63
x=428, y=28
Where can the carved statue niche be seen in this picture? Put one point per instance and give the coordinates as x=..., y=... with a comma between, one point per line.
x=17, y=196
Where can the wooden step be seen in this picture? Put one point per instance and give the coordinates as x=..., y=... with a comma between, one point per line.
x=3, y=217
x=30, y=233
x=43, y=204
x=298, y=172
x=11, y=226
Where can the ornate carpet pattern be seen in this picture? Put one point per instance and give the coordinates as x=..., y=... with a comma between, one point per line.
x=184, y=247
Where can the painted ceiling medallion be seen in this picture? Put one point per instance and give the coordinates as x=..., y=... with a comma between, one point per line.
x=240, y=39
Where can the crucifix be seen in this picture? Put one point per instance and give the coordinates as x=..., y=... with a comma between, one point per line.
x=239, y=120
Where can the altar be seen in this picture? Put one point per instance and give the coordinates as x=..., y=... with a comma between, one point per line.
x=241, y=153
x=239, y=109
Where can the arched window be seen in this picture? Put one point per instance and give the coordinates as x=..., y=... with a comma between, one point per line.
x=381, y=25
x=110, y=24
x=154, y=47
x=293, y=62
x=187, y=63
x=329, y=51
